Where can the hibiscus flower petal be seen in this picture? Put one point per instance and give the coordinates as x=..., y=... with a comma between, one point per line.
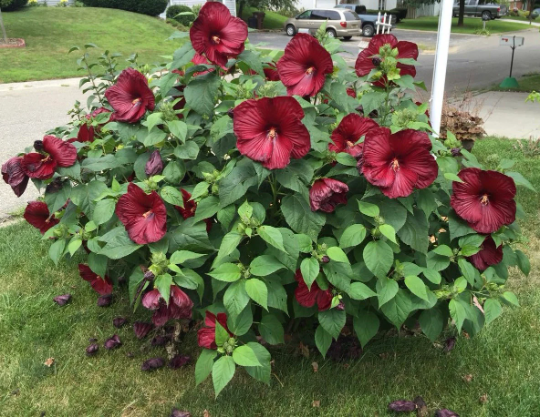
x=37, y=214
x=14, y=176
x=63, y=153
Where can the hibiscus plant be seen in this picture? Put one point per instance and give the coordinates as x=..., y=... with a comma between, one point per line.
x=259, y=194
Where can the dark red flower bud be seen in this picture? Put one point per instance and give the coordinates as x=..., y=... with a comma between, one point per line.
x=445, y=413
x=159, y=340
x=153, y=364
x=456, y=151
x=141, y=329
x=376, y=61
x=104, y=300
x=326, y=193
x=341, y=306
x=113, y=342
x=154, y=166
x=449, y=344
x=92, y=349
x=230, y=113
x=38, y=145
x=54, y=186
x=402, y=406
x=14, y=176
x=119, y=321
x=325, y=259
x=177, y=413
x=149, y=275
x=62, y=300
x=179, y=361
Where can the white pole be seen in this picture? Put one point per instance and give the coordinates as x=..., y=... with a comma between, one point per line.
x=441, y=62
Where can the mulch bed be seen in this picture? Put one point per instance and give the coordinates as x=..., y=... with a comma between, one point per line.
x=12, y=43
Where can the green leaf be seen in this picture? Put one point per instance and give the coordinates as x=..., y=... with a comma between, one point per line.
x=172, y=196
x=360, y=291
x=222, y=373
x=333, y=321
x=352, y=236
x=103, y=211
x=174, y=172
x=245, y=211
x=417, y=287
x=470, y=273
x=432, y=323
x=296, y=176
x=339, y=274
x=235, y=185
x=388, y=232
x=398, y=308
x=469, y=250
x=253, y=60
x=201, y=93
x=153, y=120
x=444, y=251
x=257, y=291
x=178, y=129
x=272, y=236
x=204, y=365
x=245, y=356
x=241, y=324
x=200, y=190
x=118, y=245
x=300, y=218
x=305, y=244
x=345, y=159
x=437, y=262
x=265, y=265
x=415, y=231
x=277, y=296
x=368, y=209
x=57, y=250
x=102, y=163
x=271, y=330
x=154, y=137
x=260, y=373
x=163, y=284
x=366, y=325
x=386, y=290
x=458, y=312
x=98, y=264
x=206, y=208
x=336, y=254
x=323, y=340
x=393, y=213
x=520, y=180
x=221, y=334
x=511, y=298
x=492, y=309
x=310, y=270
x=226, y=272
x=523, y=262
x=188, y=150
x=452, y=177
x=74, y=245
x=432, y=276
x=235, y=298
x=181, y=256
x=229, y=243
x=379, y=258
x=84, y=195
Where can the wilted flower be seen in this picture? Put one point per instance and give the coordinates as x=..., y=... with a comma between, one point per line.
x=105, y=300
x=218, y=35
x=92, y=349
x=307, y=297
x=398, y=163
x=445, y=413
x=56, y=153
x=14, y=176
x=402, y=406
x=154, y=166
x=141, y=329
x=130, y=97
x=143, y=215
x=102, y=286
x=62, y=300
x=179, y=307
x=449, y=344
x=179, y=361
x=37, y=214
x=112, y=342
x=206, y=336
x=178, y=413
x=485, y=199
x=304, y=65
x=119, y=321
x=270, y=131
x=349, y=131
x=489, y=254
x=153, y=364
x=87, y=132
x=326, y=193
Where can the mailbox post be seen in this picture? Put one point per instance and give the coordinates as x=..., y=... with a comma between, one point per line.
x=513, y=42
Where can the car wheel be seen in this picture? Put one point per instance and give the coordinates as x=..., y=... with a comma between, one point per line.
x=331, y=33
x=347, y=38
x=368, y=31
x=486, y=15
x=290, y=30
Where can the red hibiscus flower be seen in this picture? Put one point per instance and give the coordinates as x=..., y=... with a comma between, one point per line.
x=143, y=215
x=14, y=176
x=218, y=35
x=489, y=254
x=349, y=131
x=308, y=297
x=367, y=61
x=87, y=132
x=206, y=336
x=325, y=194
x=102, y=286
x=37, y=214
x=398, y=163
x=189, y=209
x=485, y=199
x=130, y=97
x=351, y=92
x=271, y=72
x=304, y=65
x=180, y=305
x=56, y=153
x=270, y=131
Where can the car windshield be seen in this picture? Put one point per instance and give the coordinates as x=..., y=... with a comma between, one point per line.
x=350, y=15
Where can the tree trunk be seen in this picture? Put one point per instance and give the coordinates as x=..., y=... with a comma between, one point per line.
x=461, y=12
x=530, y=11
x=240, y=9
x=3, y=28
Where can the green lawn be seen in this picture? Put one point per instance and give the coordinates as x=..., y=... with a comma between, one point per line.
x=272, y=20
x=527, y=83
x=520, y=18
x=503, y=360
x=471, y=25
x=50, y=32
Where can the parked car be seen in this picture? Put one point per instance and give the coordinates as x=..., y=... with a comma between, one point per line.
x=482, y=8
x=368, y=19
x=340, y=23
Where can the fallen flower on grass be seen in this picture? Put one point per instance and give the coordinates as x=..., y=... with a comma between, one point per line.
x=49, y=362
x=62, y=300
x=104, y=300
x=445, y=413
x=119, y=321
x=421, y=407
x=92, y=349
x=112, y=342
x=159, y=340
x=315, y=366
x=179, y=361
x=153, y=364
x=449, y=344
x=402, y=406
x=141, y=329
x=180, y=413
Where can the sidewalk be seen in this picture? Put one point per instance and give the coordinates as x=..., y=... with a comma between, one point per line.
x=519, y=21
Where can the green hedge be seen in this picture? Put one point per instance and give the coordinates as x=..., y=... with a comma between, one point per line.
x=172, y=13
x=12, y=5
x=149, y=7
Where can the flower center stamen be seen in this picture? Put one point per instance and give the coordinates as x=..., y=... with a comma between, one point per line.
x=272, y=133
x=148, y=213
x=395, y=164
x=485, y=200
x=136, y=100
x=350, y=144
x=310, y=70
x=216, y=39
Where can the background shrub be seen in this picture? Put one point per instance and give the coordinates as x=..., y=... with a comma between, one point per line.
x=12, y=5
x=149, y=7
x=186, y=20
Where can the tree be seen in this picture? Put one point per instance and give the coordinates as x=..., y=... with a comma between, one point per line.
x=3, y=28
x=263, y=5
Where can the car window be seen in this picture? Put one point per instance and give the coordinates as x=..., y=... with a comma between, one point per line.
x=361, y=9
x=332, y=15
x=471, y=2
x=318, y=15
x=350, y=15
x=305, y=15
